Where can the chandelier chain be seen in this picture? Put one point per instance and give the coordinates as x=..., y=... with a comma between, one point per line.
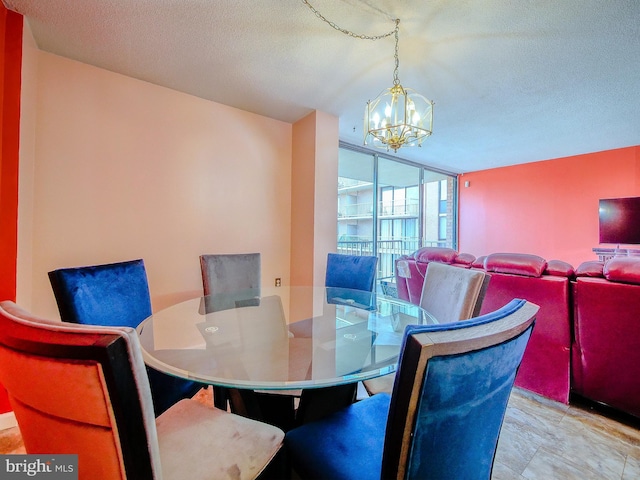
x=396, y=81
x=398, y=116
x=349, y=32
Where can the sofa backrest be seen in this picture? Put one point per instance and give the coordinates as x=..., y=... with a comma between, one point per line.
x=524, y=264
x=617, y=269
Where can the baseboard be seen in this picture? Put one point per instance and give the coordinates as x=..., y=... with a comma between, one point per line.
x=7, y=420
x=604, y=410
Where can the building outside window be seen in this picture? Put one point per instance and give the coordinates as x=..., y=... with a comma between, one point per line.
x=388, y=207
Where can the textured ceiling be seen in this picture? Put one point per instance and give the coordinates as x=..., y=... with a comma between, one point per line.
x=513, y=81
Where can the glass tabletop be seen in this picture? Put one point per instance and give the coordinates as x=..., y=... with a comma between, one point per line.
x=280, y=337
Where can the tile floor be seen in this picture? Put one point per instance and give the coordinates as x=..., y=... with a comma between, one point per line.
x=540, y=440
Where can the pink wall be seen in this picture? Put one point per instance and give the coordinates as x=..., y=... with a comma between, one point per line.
x=547, y=208
x=125, y=169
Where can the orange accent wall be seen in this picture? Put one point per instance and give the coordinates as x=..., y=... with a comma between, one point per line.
x=548, y=208
x=10, y=65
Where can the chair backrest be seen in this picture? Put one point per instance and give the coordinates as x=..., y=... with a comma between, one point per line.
x=115, y=294
x=351, y=271
x=453, y=293
x=451, y=392
x=80, y=389
x=229, y=273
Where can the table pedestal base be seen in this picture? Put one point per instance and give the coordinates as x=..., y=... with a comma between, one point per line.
x=280, y=410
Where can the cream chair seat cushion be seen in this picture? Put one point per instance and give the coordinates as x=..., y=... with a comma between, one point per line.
x=244, y=445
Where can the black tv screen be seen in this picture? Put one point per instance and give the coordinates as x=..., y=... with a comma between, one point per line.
x=620, y=220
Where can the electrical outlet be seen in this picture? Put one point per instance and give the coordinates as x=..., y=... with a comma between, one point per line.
x=278, y=282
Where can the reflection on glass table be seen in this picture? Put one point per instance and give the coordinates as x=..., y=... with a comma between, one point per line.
x=283, y=338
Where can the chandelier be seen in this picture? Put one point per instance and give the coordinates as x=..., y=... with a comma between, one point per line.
x=399, y=116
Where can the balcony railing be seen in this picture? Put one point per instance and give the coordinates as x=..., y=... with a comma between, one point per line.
x=388, y=250
x=405, y=208
x=356, y=210
x=409, y=208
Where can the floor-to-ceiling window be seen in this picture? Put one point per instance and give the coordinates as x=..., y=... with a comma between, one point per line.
x=389, y=207
x=356, y=198
x=398, y=213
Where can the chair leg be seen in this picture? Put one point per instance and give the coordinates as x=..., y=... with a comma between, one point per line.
x=279, y=468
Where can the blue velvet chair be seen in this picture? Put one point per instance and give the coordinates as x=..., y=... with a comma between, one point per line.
x=445, y=412
x=116, y=294
x=351, y=271
x=349, y=280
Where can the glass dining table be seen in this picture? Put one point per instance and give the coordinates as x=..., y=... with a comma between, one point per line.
x=322, y=340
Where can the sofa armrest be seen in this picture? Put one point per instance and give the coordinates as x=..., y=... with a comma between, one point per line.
x=402, y=268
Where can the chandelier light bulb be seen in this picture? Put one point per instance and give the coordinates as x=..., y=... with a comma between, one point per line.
x=376, y=119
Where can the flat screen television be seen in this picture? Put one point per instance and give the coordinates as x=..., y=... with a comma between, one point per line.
x=620, y=220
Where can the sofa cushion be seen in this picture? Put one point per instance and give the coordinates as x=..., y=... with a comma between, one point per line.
x=479, y=262
x=465, y=259
x=516, y=264
x=435, y=254
x=558, y=268
x=592, y=268
x=623, y=269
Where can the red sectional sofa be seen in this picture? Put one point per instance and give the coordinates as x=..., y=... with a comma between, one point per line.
x=587, y=335
x=606, y=345
x=545, y=368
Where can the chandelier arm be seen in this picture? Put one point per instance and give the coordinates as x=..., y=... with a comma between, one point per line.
x=350, y=33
